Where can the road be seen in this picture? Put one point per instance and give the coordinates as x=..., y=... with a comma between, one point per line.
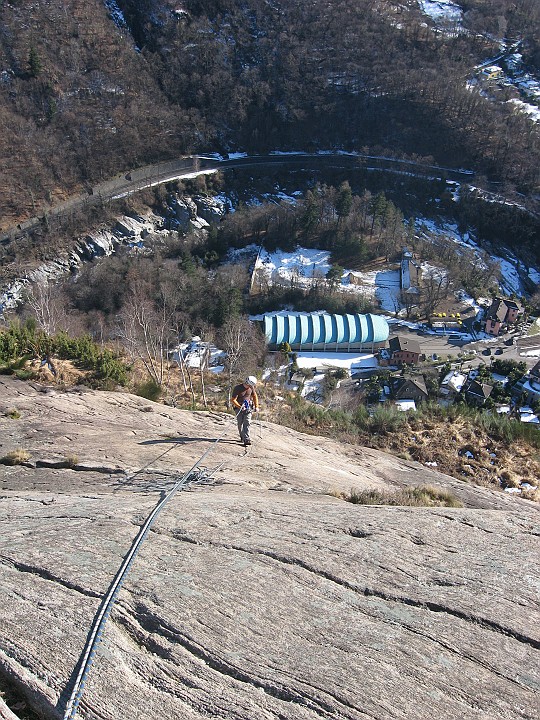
x=133, y=181
x=443, y=347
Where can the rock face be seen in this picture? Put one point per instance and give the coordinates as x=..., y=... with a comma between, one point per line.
x=209, y=208
x=128, y=231
x=258, y=596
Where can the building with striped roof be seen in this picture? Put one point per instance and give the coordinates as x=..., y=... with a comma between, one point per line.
x=325, y=332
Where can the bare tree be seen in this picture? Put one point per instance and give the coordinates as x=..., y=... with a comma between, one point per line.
x=148, y=332
x=44, y=300
x=243, y=344
x=435, y=289
x=409, y=300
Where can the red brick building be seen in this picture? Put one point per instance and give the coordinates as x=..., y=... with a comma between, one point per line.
x=502, y=312
x=404, y=350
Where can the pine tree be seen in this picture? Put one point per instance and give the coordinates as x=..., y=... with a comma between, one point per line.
x=34, y=63
x=311, y=215
x=344, y=200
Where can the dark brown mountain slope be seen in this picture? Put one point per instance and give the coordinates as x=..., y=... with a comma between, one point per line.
x=82, y=98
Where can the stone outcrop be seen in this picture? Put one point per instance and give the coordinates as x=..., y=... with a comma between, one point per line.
x=196, y=213
x=210, y=209
x=183, y=208
x=128, y=231
x=258, y=596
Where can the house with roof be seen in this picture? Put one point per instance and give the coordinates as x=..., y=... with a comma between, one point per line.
x=477, y=392
x=403, y=350
x=534, y=377
x=452, y=383
x=492, y=72
x=529, y=385
x=410, y=388
x=501, y=312
x=527, y=415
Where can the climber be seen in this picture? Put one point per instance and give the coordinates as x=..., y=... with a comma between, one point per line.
x=245, y=402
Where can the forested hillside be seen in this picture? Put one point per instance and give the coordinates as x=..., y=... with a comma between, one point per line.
x=92, y=87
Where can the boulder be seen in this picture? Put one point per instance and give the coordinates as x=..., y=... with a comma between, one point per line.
x=209, y=208
x=184, y=209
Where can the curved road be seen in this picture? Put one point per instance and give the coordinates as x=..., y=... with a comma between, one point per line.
x=191, y=166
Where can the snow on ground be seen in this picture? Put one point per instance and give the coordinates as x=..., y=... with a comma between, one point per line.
x=439, y=10
x=279, y=196
x=468, y=300
x=198, y=351
x=511, y=266
x=432, y=271
x=329, y=360
x=532, y=110
x=225, y=201
x=509, y=282
x=303, y=266
x=116, y=14
x=300, y=266
x=533, y=352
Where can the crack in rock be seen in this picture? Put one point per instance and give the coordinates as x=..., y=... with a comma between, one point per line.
x=47, y=575
x=151, y=623
x=372, y=592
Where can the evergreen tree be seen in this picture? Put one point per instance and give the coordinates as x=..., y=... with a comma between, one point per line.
x=34, y=63
x=334, y=276
x=344, y=200
x=377, y=208
x=311, y=216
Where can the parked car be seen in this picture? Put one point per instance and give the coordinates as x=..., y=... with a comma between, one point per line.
x=498, y=351
x=486, y=351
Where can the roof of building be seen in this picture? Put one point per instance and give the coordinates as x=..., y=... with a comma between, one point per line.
x=499, y=308
x=322, y=328
x=479, y=389
x=535, y=371
x=402, y=386
x=404, y=344
x=405, y=405
x=454, y=380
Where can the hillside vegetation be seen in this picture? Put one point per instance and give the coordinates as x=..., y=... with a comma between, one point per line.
x=86, y=92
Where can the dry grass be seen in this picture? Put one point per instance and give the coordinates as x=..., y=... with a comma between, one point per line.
x=15, y=457
x=70, y=461
x=13, y=414
x=419, y=496
x=66, y=373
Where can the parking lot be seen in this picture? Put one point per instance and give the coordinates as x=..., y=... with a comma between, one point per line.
x=480, y=351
